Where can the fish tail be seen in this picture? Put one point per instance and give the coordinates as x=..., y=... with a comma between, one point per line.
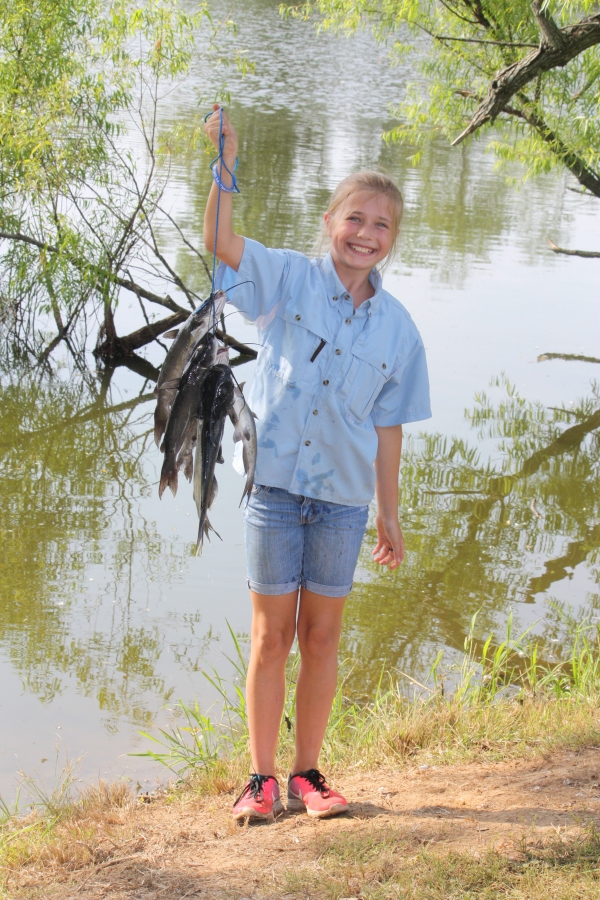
x=163, y=483
x=247, y=492
x=168, y=477
x=204, y=529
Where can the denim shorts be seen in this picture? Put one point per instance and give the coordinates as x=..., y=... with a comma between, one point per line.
x=294, y=541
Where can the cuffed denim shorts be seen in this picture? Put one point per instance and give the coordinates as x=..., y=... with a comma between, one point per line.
x=294, y=541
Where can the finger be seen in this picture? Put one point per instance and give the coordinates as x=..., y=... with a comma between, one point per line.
x=381, y=551
x=385, y=556
x=398, y=556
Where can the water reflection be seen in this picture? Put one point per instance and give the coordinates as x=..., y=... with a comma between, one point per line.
x=70, y=473
x=499, y=521
x=309, y=115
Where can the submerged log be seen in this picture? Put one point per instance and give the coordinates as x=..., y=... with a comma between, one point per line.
x=111, y=348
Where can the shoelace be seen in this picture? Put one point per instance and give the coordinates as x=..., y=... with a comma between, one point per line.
x=315, y=779
x=254, y=788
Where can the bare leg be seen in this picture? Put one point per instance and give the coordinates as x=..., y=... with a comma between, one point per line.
x=273, y=630
x=319, y=627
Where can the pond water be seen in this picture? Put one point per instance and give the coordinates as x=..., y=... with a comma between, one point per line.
x=106, y=617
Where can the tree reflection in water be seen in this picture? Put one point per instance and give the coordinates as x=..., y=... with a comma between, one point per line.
x=488, y=525
x=501, y=520
x=70, y=468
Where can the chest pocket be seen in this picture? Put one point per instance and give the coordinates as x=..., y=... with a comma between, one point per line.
x=365, y=381
x=297, y=343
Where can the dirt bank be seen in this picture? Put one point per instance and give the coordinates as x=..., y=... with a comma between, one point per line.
x=176, y=848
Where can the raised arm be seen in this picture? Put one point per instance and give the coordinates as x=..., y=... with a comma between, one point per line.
x=230, y=246
x=390, y=543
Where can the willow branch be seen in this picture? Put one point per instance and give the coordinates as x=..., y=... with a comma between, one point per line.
x=125, y=283
x=576, y=38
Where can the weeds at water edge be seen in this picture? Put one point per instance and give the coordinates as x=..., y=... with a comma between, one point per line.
x=503, y=701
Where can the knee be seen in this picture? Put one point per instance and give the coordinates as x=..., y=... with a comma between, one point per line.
x=317, y=644
x=271, y=646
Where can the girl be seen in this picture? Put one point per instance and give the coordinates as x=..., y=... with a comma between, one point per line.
x=340, y=368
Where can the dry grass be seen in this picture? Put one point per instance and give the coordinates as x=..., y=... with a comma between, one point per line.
x=497, y=712
x=39, y=845
x=383, y=866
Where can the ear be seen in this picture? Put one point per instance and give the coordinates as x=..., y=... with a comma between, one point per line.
x=327, y=220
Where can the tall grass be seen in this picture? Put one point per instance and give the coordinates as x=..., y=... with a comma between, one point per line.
x=499, y=698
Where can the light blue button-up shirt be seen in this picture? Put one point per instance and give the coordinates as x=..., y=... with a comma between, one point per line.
x=326, y=373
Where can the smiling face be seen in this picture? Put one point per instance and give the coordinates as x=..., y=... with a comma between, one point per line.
x=361, y=232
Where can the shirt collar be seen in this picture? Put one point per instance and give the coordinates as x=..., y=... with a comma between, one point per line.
x=336, y=289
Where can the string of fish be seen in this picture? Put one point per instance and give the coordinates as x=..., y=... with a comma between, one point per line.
x=196, y=390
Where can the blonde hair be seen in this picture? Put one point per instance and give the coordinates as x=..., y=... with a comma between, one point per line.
x=365, y=182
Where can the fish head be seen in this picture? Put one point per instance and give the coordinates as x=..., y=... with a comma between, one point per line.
x=223, y=356
x=208, y=314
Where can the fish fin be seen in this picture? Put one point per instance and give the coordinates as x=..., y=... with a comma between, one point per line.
x=254, y=414
x=171, y=334
x=166, y=479
x=220, y=455
x=241, y=386
x=204, y=529
x=188, y=469
x=212, y=493
x=247, y=490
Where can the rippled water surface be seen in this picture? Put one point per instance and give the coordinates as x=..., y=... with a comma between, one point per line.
x=106, y=618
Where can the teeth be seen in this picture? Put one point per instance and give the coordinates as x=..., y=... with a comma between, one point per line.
x=365, y=250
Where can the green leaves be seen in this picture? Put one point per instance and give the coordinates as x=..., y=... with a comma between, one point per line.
x=463, y=49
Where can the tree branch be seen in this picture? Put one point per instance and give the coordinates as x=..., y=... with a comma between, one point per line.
x=447, y=37
x=575, y=164
x=552, y=36
x=125, y=283
x=513, y=78
x=586, y=254
x=569, y=357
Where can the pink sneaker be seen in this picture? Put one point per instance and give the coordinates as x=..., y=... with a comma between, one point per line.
x=259, y=799
x=308, y=790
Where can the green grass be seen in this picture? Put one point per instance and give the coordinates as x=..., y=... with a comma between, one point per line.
x=503, y=702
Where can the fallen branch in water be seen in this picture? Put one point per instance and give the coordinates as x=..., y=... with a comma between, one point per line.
x=568, y=357
x=585, y=254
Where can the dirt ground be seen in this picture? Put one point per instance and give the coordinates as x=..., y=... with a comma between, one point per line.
x=193, y=849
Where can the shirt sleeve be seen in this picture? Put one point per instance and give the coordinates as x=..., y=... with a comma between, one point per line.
x=257, y=285
x=405, y=396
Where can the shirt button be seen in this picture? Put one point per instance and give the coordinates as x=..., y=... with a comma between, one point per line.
x=315, y=412
x=383, y=366
x=307, y=443
x=297, y=318
x=348, y=321
x=326, y=382
x=338, y=352
x=346, y=296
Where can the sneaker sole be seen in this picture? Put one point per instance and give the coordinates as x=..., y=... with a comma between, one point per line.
x=335, y=810
x=250, y=813
x=296, y=805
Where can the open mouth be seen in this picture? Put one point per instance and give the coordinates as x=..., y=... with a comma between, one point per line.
x=363, y=251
